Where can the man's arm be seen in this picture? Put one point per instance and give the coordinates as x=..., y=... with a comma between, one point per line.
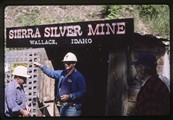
x=48, y=71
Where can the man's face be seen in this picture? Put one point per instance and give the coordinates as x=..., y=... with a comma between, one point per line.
x=139, y=72
x=22, y=80
x=69, y=65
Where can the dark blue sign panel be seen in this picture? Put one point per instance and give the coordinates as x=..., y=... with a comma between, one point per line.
x=89, y=33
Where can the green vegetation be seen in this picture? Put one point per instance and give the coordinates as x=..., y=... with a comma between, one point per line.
x=154, y=17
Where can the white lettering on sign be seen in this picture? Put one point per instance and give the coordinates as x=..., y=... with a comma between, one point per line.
x=63, y=31
x=97, y=31
x=81, y=41
x=52, y=32
x=106, y=29
x=121, y=28
x=110, y=28
x=24, y=33
x=43, y=42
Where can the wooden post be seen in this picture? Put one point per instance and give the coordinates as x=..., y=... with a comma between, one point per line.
x=117, y=83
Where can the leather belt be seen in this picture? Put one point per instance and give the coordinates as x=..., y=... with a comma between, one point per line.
x=68, y=104
x=65, y=104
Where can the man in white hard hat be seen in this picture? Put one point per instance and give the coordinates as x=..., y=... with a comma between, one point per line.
x=15, y=99
x=71, y=85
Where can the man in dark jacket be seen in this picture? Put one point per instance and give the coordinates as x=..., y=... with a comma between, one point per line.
x=71, y=85
x=154, y=96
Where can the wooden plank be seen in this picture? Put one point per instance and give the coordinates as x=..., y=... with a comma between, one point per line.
x=117, y=83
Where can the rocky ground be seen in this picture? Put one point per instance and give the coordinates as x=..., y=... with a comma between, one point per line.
x=19, y=15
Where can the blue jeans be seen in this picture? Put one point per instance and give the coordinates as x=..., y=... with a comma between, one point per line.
x=69, y=111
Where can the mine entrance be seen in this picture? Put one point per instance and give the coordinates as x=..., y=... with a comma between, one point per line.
x=102, y=49
x=93, y=64
x=99, y=66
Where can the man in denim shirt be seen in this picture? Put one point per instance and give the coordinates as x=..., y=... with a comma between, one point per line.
x=15, y=99
x=71, y=85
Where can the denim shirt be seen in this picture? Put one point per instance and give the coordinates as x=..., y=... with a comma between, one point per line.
x=73, y=84
x=15, y=98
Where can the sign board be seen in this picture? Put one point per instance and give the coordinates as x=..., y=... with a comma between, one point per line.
x=89, y=33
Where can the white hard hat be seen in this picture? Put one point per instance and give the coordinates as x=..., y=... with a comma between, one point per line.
x=21, y=71
x=69, y=57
